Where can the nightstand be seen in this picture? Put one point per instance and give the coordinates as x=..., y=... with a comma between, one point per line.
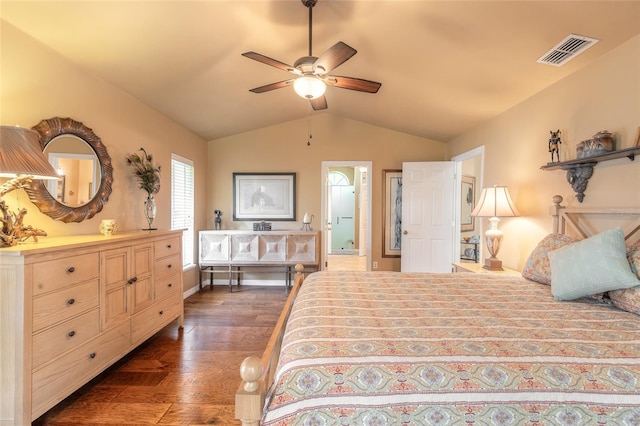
x=477, y=268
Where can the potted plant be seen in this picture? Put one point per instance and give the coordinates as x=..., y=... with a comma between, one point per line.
x=148, y=176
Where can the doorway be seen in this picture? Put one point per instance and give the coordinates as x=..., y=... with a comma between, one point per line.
x=470, y=166
x=346, y=215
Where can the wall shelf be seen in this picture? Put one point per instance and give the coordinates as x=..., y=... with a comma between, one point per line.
x=581, y=169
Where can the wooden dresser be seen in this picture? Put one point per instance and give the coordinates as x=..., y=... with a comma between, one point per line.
x=72, y=306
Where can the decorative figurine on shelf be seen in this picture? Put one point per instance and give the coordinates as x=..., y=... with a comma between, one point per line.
x=554, y=144
x=218, y=221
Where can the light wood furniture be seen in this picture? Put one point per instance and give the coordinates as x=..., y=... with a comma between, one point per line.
x=232, y=250
x=72, y=306
x=258, y=374
x=477, y=268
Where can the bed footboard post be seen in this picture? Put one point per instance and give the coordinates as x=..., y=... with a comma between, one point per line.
x=251, y=393
x=557, y=199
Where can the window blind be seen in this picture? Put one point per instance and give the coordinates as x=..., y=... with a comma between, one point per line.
x=182, y=204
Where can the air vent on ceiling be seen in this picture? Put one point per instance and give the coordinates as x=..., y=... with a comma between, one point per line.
x=567, y=49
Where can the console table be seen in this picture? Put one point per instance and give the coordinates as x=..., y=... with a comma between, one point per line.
x=231, y=251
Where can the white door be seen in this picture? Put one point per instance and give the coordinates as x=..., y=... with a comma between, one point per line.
x=428, y=221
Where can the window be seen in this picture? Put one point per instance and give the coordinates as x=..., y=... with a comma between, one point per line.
x=182, y=204
x=338, y=178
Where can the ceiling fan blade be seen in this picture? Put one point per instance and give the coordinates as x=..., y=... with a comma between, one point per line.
x=269, y=61
x=337, y=55
x=352, y=83
x=272, y=86
x=318, y=103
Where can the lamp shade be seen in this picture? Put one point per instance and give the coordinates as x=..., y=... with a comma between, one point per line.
x=309, y=87
x=495, y=202
x=20, y=154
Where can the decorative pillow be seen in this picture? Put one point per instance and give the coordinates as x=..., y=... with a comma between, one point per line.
x=591, y=266
x=629, y=298
x=537, y=267
x=633, y=254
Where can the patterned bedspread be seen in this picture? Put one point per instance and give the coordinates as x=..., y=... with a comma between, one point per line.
x=384, y=348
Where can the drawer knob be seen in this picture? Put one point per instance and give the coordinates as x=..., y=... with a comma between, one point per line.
x=92, y=355
x=169, y=266
x=168, y=246
x=161, y=312
x=71, y=333
x=132, y=280
x=71, y=270
x=71, y=301
x=169, y=285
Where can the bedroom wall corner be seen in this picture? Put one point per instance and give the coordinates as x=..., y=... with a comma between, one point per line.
x=603, y=95
x=38, y=83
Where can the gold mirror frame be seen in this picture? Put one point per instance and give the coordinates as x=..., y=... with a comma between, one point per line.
x=37, y=190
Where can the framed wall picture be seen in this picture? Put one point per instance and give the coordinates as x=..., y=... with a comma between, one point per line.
x=468, y=203
x=392, y=222
x=264, y=196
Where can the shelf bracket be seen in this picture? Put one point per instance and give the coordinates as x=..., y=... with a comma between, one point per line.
x=578, y=177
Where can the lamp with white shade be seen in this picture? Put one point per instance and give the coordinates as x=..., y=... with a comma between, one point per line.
x=21, y=160
x=495, y=202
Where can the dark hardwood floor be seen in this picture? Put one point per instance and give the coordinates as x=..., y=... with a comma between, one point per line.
x=181, y=376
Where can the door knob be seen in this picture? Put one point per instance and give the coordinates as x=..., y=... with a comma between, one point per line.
x=405, y=232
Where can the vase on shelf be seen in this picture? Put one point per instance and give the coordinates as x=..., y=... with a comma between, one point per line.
x=150, y=211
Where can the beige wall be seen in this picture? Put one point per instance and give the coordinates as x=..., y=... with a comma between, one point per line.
x=283, y=148
x=37, y=83
x=603, y=95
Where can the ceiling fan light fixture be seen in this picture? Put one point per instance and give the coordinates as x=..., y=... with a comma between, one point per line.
x=309, y=87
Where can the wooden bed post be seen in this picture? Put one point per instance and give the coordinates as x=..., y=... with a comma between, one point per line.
x=558, y=225
x=251, y=393
x=258, y=374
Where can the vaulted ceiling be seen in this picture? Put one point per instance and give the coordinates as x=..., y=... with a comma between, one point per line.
x=445, y=66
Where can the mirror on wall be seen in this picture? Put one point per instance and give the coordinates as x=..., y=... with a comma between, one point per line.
x=84, y=166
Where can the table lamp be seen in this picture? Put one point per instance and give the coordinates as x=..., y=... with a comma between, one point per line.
x=21, y=160
x=494, y=202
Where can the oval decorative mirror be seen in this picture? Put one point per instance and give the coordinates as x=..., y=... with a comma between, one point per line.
x=85, y=169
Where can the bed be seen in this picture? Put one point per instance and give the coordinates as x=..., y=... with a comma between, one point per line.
x=389, y=348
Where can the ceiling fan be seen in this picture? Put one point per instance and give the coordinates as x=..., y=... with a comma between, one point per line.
x=312, y=73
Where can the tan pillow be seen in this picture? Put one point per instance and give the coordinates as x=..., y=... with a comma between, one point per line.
x=629, y=298
x=537, y=267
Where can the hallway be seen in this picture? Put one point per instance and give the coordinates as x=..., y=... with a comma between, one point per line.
x=346, y=262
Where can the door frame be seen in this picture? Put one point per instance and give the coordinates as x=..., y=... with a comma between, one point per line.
x=458, y=159
x=326, y=165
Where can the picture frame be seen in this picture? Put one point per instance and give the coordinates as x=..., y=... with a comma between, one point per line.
x=467, y=203
x=264, y=196
x=392, y=214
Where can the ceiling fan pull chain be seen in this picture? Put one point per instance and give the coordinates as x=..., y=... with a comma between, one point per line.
x=309, y=125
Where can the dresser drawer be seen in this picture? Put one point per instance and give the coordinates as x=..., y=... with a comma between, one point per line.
x=167, y=285
x=153, y=319
x=56, y=381
x=55, y=274
x=167, y=265
x=65, y=336
x=63, y=304
x=167, y=247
